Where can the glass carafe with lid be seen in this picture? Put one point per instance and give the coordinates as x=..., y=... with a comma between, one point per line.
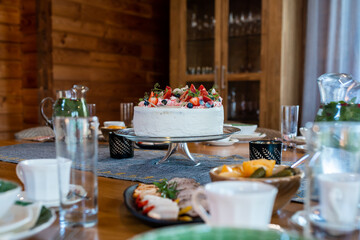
x=340, y=98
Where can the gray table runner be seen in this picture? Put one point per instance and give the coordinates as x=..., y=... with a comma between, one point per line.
x=140, y=168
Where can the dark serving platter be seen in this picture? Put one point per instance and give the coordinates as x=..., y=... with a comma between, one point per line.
x=130, y=205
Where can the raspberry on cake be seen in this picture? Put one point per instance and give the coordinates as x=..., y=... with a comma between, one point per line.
x=181, y=112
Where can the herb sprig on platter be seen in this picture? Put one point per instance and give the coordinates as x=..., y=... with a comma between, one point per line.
x=167, y=190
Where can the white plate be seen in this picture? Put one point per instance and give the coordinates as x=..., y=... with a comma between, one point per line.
x=222, y=143
x=250, y=137
x=333, y=228
x=56, y=203
x=299, y=219
x=20, y=234
x=16, y=217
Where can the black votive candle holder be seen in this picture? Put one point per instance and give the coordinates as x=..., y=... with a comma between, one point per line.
x=120, y=147
x=265, y=149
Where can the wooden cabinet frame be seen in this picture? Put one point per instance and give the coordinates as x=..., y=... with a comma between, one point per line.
x=274, y=77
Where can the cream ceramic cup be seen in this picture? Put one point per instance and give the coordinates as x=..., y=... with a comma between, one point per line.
x=236, y=203
x=40, y=177
x=339, y=197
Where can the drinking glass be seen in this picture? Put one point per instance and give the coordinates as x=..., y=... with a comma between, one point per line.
x=333, y=180
x=76, y=141
x=91, y=108
x=289, y=123
x=127, y=113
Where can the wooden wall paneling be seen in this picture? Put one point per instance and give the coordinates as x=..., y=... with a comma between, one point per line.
x=10, y=104
x=10, y=69
x=29, y=63
x=31, y=107
x=130, y=35
x=7, y=135
x=73, y=41
x=71, y=57
x=29, y=43
x=11, y=116
x=10, y=33
x=129, y=7
x=113, y=18
x=29, y=79
x=9, y=14
x=10, y=51
x=116, y=48
x=10, y=123
x=11, y=2
x=10, y=86
x=31, y=115
x=77, y=26
x=28, y=7
x=44, y=48
x=123, y=48
x=28, y=23
x=96, y=75
x=153, y=51
x=66, y=9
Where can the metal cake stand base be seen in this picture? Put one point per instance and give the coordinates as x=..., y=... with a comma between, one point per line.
x=181, y=148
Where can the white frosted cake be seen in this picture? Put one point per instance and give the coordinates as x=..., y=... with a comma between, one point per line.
x=179, y=113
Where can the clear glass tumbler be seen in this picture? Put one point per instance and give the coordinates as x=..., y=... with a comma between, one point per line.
x=77, y=141
x=91, y=108
x=127, y=113
x=333, y=180
x=289, y=123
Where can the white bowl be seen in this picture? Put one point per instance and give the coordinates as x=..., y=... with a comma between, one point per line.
x=114, y=123
x=8, y=197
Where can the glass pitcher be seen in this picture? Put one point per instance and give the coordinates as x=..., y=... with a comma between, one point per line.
x=68, y=103
x=79, y=103
x=340, y=98
x=332, y=183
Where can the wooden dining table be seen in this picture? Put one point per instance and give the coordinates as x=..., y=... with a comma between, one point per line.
x=116, y=222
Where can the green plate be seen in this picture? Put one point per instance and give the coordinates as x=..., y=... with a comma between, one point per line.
x=205, y=232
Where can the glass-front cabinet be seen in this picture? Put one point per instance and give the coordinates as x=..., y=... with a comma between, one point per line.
x=241, y=60
x=223, y=43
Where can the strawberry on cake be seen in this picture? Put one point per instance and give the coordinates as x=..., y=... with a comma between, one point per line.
x=179, y=112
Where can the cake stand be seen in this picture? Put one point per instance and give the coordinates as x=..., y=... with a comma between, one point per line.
x=177, y=144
